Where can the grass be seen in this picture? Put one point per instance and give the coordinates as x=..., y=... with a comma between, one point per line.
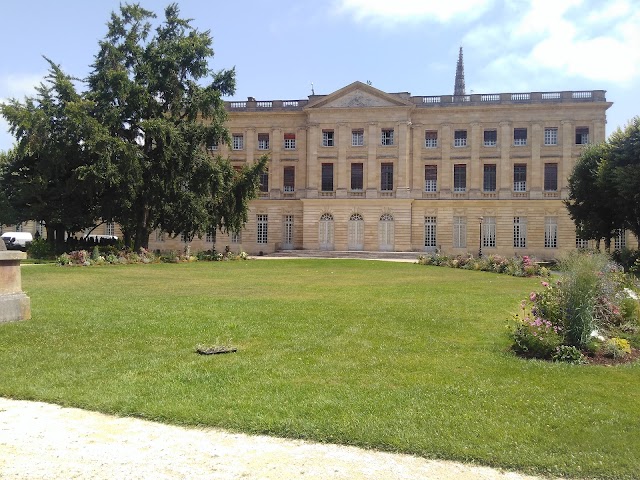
x=397, y=357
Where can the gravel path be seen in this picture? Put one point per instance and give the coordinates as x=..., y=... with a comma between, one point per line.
x=43, y=441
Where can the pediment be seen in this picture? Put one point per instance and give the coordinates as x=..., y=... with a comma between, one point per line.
x=358, y=95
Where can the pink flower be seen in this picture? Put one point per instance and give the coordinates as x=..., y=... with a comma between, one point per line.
x=545, y=284
x=532, y=296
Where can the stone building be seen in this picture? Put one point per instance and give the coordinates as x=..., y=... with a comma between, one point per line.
x=363, y=169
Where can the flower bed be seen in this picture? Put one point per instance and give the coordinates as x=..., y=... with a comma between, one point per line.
x=590, y=315
x=112, y=256
x=524, y=266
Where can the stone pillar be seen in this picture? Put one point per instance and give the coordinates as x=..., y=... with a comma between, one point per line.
x=505, y=172
x=14, y=303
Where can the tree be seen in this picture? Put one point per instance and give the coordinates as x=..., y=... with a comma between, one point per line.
x=147, y=92
x=41, y=178
x=624, y=167
x=592, y=202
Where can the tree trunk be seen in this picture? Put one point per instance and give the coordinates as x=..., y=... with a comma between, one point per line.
x=60, y=233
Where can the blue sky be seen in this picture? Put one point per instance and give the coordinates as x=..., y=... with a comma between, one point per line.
x=280, y=47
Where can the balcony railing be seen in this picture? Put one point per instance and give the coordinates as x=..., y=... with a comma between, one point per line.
x=442, y=100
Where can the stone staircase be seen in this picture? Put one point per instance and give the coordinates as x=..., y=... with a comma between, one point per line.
x=364, y=255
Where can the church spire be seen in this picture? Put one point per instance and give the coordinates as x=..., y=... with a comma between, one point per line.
x=459, y=90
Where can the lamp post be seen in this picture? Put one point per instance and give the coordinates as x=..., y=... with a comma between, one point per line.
x=480, y=242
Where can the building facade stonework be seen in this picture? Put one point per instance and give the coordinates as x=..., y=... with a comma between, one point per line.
x=362, y=169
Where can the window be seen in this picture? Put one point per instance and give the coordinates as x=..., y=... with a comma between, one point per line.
x=263, y=141
x=430, y=178
x=489, y=179
x=459, y=232
x=289, y=141
x=490, y=138
x=551, y=136
x=459, y=178
x=289, y=179
x=262, y=221
x=582, y=135
x=386, y=176
x=387, y=137
x=357, y=138
x=519, y=232
x=431, y=139
x=184, y=238
x=287, y=238
x=159, y=236
x=213, y=146
x=551, y=177
x=110, y=229
x=327, y=177
x=620, y=240
x=238, y=142
x=211, y=236
x=519, y=136
x=519, y=178
x=460, y=138
x=430, y=232
x=357, y=170
x=489, y=232
x=327, y=138
x=580, y=242
x=550, y=232
x=235, y=237
x=264, y=181
x=20, y=228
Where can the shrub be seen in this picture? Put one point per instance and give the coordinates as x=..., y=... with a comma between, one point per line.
x=616, y=348
x=568, y=354
x=534, y=336
x=169, y=257
x=515, y=266
x=40, y=249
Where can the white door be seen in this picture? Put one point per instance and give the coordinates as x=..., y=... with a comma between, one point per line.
x=386, y=233
x=356, y=232
x=325, y=232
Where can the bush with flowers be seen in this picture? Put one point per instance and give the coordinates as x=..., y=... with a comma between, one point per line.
x=592, y=303
x=525, y=266
x=125, y=257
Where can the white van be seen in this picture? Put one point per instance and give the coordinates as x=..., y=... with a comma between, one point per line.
x=17, y=240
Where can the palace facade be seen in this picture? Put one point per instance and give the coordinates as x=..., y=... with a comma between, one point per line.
x=363, y=169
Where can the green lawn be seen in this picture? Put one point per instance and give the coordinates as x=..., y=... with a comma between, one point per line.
x=397, y=357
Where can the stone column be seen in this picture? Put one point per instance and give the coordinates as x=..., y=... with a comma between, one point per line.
x=372, y=139
x=313, y=139
x=505, y=172
x=536, y=175
x=14, y=303
x=404, y=160
x=341, y=167
x=474, y=179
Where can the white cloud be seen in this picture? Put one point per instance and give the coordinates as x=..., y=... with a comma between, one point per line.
x=389, y=13
x=562, y=40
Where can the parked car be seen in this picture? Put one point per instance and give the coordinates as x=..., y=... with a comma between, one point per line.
x=17, y=240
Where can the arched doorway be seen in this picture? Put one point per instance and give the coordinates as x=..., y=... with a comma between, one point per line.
x=386, y=232
x=356, y=232
x=325, y=232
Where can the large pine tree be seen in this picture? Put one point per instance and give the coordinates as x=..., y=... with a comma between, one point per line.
x=149, y=90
